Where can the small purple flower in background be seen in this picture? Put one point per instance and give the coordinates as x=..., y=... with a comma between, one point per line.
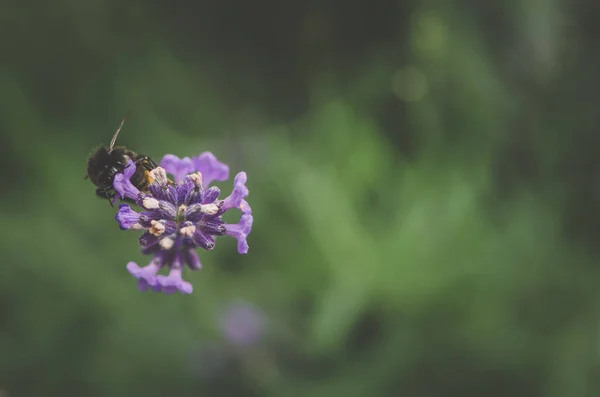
x=242, y=324
x=180, y=217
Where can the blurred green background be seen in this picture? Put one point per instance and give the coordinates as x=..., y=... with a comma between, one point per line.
x=424, y=176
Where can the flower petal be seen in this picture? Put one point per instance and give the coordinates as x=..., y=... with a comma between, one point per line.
x=173, y=282
x=143, y=285
x=166, y=210
x=192, y=260
x=126, y=217
x=123, y=185
x=146, y=275
x=240, y=191
x=166, y=193
x=245, y=207
x=210, y=168
x=240, y=232
x=214, y=226
x=148, y=240
x=203, y=240
x=186, y=192
x=177, y=167
x=210, y=195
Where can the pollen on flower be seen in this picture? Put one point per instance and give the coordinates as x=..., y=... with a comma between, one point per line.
x=159, y=175
x=196, y=177
x=137, y=226
x=245, y=208
x=150, y=203
x=188, y=231
x=157, y=228
x=210, y=209
x=166, y=243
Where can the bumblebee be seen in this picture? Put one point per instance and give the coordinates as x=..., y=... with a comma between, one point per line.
x=105, y=163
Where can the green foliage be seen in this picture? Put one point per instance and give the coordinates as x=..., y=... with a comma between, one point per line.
x=382, y=269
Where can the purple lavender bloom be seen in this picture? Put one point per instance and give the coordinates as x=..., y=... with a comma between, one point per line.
x=206, y=164
x=210, y=168
x=242, y=324
x=178, y=218
x=177, y=167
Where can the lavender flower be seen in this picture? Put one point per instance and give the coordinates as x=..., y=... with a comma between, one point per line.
x=206, y=163
x=180, y=217
x=242, y=324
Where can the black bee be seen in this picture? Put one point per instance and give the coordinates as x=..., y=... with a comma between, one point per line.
x=105, y=163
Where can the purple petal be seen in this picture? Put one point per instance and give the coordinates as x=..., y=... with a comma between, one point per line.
x=203, y=240
x=173, y=282
x=151, y=250
x=196, y=212
x=245, y=207
x=146, y=275
x=240, y=191
x=186, y=191
x=167, y=210
x=146, y=217
x=165, y=193
x=147, y=240
x=214, y=226
x=177, y=167
x=126, y=217
x=143, y=285
x=192, y=260
x=157, y=209
x=123, y=185
x=210, y=195
x=242, y=324
x=240, y=232
x=210, y=168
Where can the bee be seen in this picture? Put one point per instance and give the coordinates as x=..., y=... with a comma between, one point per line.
x=106, y=162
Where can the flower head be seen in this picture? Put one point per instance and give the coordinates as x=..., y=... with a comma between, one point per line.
x=177, y=218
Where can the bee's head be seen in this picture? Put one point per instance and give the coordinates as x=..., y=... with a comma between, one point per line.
x=103, y=163
x=106, y=161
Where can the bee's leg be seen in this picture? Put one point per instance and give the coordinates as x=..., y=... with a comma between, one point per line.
x=128, y=200
x=146, y=162
x=107, y=194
